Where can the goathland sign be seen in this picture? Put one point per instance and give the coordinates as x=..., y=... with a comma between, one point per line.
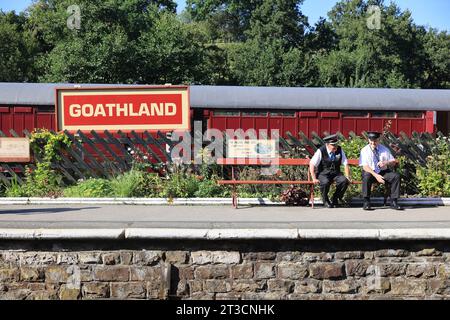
x=123, y=108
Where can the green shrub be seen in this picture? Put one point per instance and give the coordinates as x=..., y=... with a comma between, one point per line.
x=434, y=177
x=180, y=186
x=127, y=184
x=91, y=188
x=208, y=188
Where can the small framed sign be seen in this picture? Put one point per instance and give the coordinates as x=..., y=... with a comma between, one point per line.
x=251, y=149
x=15, y=150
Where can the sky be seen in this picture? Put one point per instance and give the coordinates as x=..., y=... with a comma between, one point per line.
x=433, y=13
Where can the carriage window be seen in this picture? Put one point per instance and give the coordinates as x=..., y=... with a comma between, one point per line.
x=255, y=114
x=383, y=114
x=355, y=114
x=407, y=114
x=226, y=113
x=283, y=114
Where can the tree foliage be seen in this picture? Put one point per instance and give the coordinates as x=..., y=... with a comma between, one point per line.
x=226, y=42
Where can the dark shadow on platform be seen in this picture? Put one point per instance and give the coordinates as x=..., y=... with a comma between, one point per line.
x=42, y=210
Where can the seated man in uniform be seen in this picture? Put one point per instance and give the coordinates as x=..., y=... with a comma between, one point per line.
x=327, y=161
x=375, y=160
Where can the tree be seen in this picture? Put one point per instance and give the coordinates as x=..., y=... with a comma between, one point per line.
x=119, y=41
x=18, y=49
x=392, y=56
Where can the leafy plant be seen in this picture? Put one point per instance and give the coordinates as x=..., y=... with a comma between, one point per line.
x=91, y=188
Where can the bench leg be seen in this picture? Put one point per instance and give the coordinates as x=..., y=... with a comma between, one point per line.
x=312, y=196
x=235, y=198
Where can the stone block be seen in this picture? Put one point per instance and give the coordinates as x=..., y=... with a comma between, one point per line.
x=57, y=274
x=258, y=256
x=145, y=273
x=93, y=290
x=147, y=258
x=40, y=258
x=292, y=271
x=242, y=271
x=390, y=269
x=9, y=275
x=67, y=258
x=391, y=253
x=42, y=295
x=356, y=267
x=112, y=273
x=126, y=257
x=69, y=293
x=420, y=270
x=264, y=296
x=264, y=270
x=212, y=257
x=307, y=286
x=228, y=296
x=428, y=252
x=212, y=272
x=247, y=285
x=408, y=287
x=345, y=255
x=347, y=286
x=195, y=286
x=280, y=285
x=89, y=257
x=215, y=286
x=31, y=274
x=320, y=256
x=293, y=256
x=439, y=286
x=326, y=270
x=177, y=257
x=186, y=273
x=128, y=290
x=111, y=258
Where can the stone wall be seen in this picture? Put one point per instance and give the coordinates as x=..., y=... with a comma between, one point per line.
x=225, y=270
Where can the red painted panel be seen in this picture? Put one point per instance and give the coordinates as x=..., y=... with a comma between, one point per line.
x=45, y=120
x=404, y=126
x=418, y=125
x=362, y=125
x=248, y=123
x=329, y=114
x=261, y=124
x=4, y=109
x=429, y=118
x=376, y=125
x=289, y=125
x=233, y=123
x=23, y=109
x=348, y=125
x=308, y=114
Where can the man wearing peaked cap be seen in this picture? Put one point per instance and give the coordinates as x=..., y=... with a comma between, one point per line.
x=375, y=160
x=327, y=162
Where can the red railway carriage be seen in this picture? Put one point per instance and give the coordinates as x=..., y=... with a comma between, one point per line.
x=26, y=106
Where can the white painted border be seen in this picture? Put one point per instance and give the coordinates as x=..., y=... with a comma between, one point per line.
x=225, y=234
x=200, y=201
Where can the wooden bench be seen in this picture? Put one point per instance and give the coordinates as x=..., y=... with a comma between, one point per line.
x=233, y=162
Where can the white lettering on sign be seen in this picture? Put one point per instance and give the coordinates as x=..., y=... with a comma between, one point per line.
x=127, y=109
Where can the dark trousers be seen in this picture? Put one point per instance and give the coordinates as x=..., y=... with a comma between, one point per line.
x=327, y=179
x=393, y=178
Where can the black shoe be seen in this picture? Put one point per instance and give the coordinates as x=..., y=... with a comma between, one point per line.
x=328, y=204
x=396, y=206
x=335, y=203
x=367, y=206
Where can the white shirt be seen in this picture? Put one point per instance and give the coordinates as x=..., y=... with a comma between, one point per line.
x=368, y=157
x=315, y=160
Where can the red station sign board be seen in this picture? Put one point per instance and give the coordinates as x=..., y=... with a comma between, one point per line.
x=136, y=108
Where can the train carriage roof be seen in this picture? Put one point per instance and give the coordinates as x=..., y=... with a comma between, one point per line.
x=233, y=97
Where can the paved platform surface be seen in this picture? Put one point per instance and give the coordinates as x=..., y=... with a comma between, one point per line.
x=218, y=217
